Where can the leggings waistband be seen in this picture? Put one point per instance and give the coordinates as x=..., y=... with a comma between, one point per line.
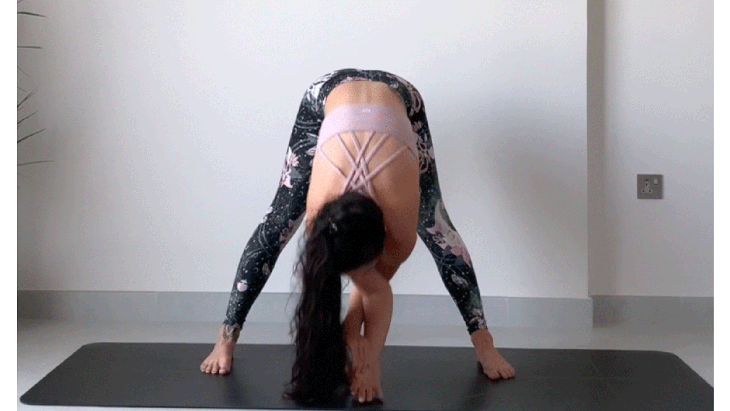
x=368, y=117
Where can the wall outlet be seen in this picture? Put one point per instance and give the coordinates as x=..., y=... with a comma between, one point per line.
x=649, y=186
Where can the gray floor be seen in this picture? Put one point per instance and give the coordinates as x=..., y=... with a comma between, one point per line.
x=43, y=344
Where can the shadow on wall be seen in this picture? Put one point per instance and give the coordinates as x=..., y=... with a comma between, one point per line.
x=539, y=187
x=600, y=263
x=539, y=182
x=530, y=157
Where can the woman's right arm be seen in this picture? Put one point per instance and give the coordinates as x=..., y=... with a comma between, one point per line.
x=377, y=300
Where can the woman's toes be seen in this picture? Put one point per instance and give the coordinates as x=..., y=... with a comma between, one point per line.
x=214, y=369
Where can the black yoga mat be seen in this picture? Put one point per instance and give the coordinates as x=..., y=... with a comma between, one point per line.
x=414, y=378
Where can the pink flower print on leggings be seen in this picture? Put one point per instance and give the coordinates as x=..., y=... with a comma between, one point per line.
x=291, y=161
x=444, y=236
x=288, y=232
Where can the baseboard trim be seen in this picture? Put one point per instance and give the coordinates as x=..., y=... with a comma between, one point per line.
x=665, y=311
x=555, y=313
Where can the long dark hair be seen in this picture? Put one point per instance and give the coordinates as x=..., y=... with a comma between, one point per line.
x=348, y=232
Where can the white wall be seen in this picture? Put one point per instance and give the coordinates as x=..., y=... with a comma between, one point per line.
x=167, y=123
x=651, y=112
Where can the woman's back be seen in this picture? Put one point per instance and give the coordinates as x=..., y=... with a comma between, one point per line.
x=396, y=185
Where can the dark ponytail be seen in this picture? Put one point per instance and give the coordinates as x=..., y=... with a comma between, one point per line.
x=347, y=233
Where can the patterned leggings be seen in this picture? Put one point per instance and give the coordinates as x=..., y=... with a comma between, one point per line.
x=287, y=210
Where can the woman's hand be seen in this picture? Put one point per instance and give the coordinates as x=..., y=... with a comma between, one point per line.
x=365, y=386
x=364, y=370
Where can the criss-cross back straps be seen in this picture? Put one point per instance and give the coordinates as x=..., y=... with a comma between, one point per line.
x=360, y=176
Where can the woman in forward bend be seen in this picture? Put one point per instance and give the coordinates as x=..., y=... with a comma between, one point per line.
x=360, y=165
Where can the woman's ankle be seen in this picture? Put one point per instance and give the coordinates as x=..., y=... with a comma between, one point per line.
x=482, y=338
x=229, y=334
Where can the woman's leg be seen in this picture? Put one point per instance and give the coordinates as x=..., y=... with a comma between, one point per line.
x=446, y=246
x=285, y=213
x=289, y=205
x=275, y=230
x=434, y=226
x=283, y=218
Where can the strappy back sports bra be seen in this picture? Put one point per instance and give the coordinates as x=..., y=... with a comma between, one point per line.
x=348, y=118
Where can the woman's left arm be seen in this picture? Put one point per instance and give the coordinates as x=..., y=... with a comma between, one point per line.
x=377, y=299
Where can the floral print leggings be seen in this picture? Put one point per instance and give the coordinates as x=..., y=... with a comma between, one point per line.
x=288, y=208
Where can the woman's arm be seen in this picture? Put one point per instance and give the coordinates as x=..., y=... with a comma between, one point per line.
x=377, y=309
x=377, y=300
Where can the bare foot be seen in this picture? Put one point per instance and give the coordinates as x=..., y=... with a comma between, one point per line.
x=493, y=364
x=220, y=360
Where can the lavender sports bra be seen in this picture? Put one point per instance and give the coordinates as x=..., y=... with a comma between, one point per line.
x=376, y=119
